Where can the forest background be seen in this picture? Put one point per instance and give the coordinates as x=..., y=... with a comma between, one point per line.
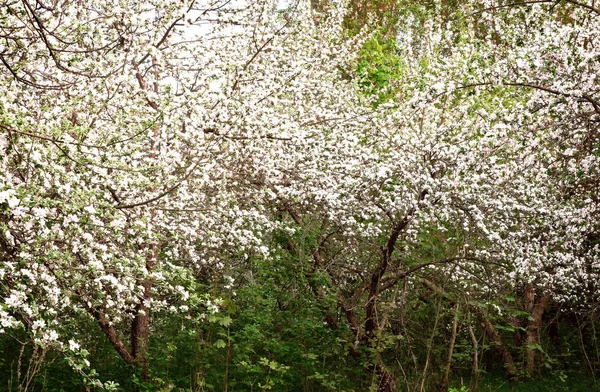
x=215, y=195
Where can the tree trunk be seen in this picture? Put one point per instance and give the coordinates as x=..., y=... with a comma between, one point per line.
x=448, y=364
x=489, y=330
x=518, y=334
x=509, y=363
x=475, y=359
x=140, y=327
x=386, y=381
x=535, y=307
x=140, y=333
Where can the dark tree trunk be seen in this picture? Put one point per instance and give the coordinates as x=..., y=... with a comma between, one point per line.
x=140, y=327
x=386, y=380
x=488, y=328
x=140, y=333
x=447, y=366
x=494, y=337
x=535, y=305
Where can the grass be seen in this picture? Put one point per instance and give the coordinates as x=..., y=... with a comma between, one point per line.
x=563, y=382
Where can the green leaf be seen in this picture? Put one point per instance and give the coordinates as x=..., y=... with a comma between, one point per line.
x=220, y=343
x=225, y=321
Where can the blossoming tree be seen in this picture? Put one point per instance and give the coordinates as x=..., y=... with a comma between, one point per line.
x=135, y=138
x=144, y=141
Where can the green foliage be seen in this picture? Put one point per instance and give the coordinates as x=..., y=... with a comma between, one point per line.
x=567, y=382
x=379, y=69
x=278, y=334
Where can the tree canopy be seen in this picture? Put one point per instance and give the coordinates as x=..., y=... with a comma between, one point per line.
x=176, y=173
